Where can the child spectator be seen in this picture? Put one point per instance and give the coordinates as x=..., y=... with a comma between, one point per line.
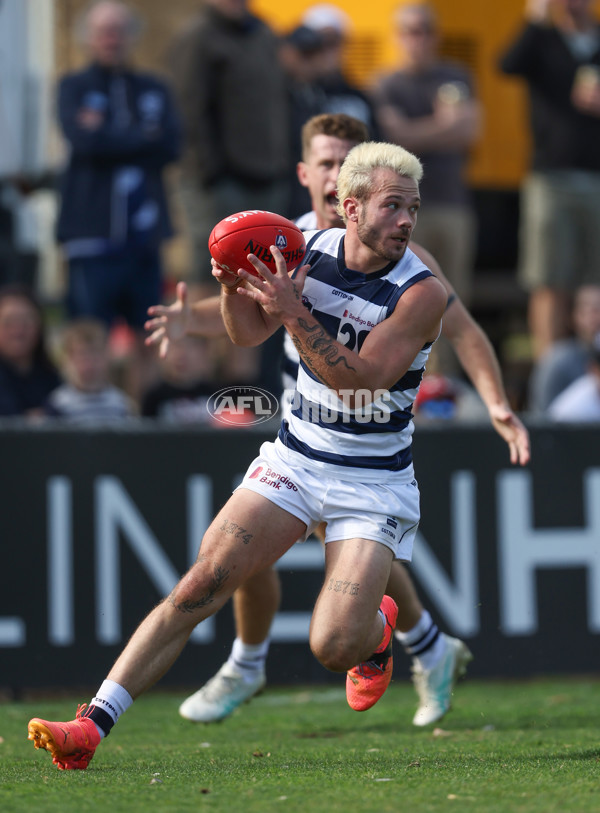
x=565, y=360
x=580, y=401
x=187, y=383
x=87, y=396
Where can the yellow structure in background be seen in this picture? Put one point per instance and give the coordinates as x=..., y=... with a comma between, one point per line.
x=474, y=32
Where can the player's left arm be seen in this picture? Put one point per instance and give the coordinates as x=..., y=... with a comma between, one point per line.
x=414, y=323
x=479, y=361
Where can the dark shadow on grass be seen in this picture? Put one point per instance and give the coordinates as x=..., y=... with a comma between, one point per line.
x=321, y=735
x=587, y=755
x=540, y=722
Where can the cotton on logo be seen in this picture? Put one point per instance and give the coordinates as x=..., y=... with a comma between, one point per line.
x=243, y=406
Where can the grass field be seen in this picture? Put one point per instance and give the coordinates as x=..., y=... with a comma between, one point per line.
x=510, y=746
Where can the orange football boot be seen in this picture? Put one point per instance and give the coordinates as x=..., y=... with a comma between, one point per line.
x=367, y=681
x=72, y=744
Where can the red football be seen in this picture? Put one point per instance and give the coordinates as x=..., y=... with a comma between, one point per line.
x=252, y=232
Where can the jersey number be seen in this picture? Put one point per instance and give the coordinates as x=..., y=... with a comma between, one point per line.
x=354, y=340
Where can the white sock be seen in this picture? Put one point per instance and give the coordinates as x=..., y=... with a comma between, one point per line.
x=424, y=642
x=249, y=658
x=112, y=699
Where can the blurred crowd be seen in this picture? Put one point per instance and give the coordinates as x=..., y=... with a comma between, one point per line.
x=226, y=114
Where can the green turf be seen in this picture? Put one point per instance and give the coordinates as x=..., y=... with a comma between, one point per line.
x=526, y=746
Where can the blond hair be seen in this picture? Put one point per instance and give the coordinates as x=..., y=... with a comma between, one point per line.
x=355, y=178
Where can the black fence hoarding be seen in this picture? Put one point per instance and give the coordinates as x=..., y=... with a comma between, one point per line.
x=96, y=527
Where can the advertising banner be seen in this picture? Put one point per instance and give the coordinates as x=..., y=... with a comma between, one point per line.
x=98, y=526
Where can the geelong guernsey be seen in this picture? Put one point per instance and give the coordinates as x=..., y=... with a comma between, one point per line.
x=371, y=442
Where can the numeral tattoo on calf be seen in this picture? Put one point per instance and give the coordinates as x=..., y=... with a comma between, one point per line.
x=221, y=575
x=233, y=529
x=341, y=586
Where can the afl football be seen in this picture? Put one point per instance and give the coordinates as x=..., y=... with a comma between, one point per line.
x=253, y=232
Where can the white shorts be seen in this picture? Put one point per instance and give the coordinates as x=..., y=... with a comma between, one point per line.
x=385, y=513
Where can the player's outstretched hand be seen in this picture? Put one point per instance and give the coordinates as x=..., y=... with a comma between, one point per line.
x=169, y=323
x=509, y=427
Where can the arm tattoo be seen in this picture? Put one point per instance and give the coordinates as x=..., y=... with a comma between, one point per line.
x=220, y=576
x=341, y=586
x=308, y=361
x=233, y=529
x=323, y=345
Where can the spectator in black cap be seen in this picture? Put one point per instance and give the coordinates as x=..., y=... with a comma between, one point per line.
x=300, y=54
x=339, y=95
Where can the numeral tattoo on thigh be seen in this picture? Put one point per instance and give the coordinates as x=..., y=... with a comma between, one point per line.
x=221, y=575
x=233, y=529
x=341, y=586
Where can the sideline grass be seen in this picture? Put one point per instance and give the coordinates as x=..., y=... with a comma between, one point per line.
x=522, y=746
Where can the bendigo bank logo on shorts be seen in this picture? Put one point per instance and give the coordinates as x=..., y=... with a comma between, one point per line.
x=242, y=406
x=273, y=478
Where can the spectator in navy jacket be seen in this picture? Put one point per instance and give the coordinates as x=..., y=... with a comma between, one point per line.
x=122, y=129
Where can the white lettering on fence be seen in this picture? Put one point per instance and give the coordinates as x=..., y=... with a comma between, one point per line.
x=456, y=600
x=115, y=512
x=523, y=549
x=61, y=609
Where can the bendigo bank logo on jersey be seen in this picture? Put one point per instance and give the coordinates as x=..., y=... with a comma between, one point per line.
x=358, y=319
x=273, y=479
x=291, y=256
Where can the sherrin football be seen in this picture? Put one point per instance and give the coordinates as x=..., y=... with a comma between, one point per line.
x=252, y=232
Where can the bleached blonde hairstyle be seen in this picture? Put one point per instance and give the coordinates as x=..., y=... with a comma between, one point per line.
x=355, y=178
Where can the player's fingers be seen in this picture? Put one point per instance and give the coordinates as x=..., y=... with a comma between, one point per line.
x=251, y=293
x=154, y=337
x=181, y=292
x=524, y=452
x=222, y=275
x=261, y=269
x=152, y=324
x=280, y=266
x=299, y=276
x=164, y=347
x=156, y=310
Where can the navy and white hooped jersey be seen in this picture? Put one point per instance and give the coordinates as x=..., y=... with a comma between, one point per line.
x=372, y=441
